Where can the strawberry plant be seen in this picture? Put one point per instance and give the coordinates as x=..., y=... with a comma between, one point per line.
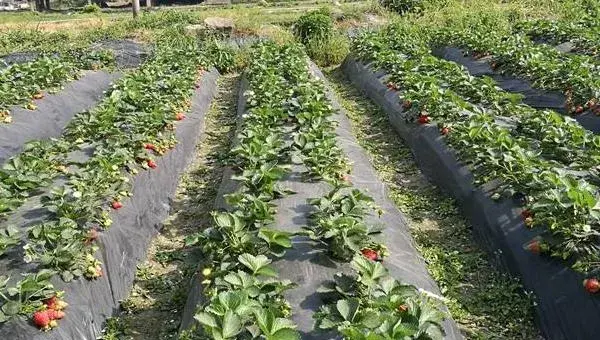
x=338, y=222
x=372, y=305
x=61, y=246
x=255, y=288
x=25, y=296
x=246, y=295
x=9, y=236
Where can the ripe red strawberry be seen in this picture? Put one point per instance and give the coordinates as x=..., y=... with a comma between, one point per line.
x=534, y=247
x=390, y=85
x=41, y=319
x=579, y=109
x=51, y=302
x=526, y=213
x=402, y=308
x=591, y=285
x=117, y=205
x=370, y=254
x=179, y=116
x=444, y=131
x=407, y=104
x=55, y=314
x=151, y=164
x=149, y=146
x=424, y=119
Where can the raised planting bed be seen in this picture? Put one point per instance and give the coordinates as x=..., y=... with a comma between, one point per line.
x=573, y=75
x=447, y=92
x=534, y=97
x=22, y=84
x=564, y=309
x=52, y=112
x=60, y=237
x=322, y=170
x=580, y=36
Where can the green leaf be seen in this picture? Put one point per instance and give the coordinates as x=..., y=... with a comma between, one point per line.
x=272, y=236
x=232, y=325
x=206, y=319
x=67, y=276
x=348, y=308
x=231, y=300
x=267, y=271
x=259, y=265
x=285, y=334
x=282, y=324
x=11, y=308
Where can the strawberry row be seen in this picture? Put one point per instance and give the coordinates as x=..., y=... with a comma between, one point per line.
x=245, y=294
x=134, y=122
x=42, y=161
x=574, y=75
x=560, y=201
x=368, y=303
x=559, y=138
x=22, y=83
x=583, y=34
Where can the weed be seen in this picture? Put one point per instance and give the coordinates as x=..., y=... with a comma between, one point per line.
x=329, y=51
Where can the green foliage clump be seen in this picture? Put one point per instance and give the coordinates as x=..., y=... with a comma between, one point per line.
x=314, y=25
x=323, y=43
x=220, y=55
x=403, y=6
x=164, y=19
x=329, y=51
x=91, y=8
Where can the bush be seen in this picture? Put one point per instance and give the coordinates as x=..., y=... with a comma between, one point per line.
x=221, y=55
x=329, y=51
x=91, y=8
x=403, y=6
x=314, y=25
x=323, y=43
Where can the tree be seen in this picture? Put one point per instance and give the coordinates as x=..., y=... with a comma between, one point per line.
x=135, y=4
